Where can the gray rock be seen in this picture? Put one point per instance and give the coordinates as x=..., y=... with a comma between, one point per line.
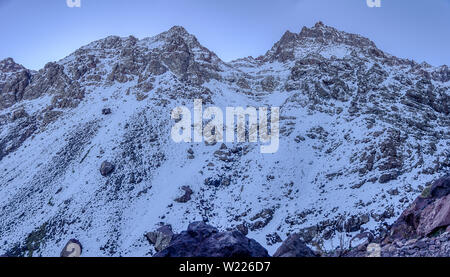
x=294, y=246
x=106, y=168
x=160, y=238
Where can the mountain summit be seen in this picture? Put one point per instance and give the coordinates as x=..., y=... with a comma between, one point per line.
x=86, y=153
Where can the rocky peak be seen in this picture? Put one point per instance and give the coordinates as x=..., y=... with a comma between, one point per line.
x=316, y=40
x=326, y=35
x=8, y=65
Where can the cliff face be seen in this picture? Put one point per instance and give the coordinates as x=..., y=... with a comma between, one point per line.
x=361, y=131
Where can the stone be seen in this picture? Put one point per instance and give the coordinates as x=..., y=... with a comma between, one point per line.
x=160, y=238
x=106, y=168
x=243, y=228
x=294, y=246
x=428, y=212
x=187, y=195
x=202, y=240
x=106, y=111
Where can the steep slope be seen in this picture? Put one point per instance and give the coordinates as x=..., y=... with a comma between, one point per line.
x=361, y=130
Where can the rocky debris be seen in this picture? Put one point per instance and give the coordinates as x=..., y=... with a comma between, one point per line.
x=106, y=168
x=373, y=250
x=273, y=238
x=429, y=213
x=106, y=111
x=294, y=246
x=422, y=230
x=387, y=177
x=261, y=219
x=394, y=127
x=160, y=238
x=73, y=249
x=19, y=114
x=187, y=195
x=243, y=228
x=354, y=223
x=202, y=240
x=435, y=246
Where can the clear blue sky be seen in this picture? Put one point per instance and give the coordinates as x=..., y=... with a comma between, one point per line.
x=36, y=32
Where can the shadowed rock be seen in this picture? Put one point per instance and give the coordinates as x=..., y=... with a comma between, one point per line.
x=294, y=246
x=428, y=213
x=202, y=240
x=160, y=238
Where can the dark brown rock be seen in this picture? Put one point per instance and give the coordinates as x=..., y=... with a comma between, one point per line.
x=202, y=240
x=106, y=168
x=187, y=195
x=426, y=214
x=294, y=246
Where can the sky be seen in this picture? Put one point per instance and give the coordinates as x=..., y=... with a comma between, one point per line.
x=36, y=32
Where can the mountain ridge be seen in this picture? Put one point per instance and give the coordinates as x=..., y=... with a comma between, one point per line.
x=361, y=132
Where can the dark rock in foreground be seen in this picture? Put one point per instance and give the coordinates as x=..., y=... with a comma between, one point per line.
x=160, y=238
x=294, y=246
x=202, y=240
x=428, y=214
x=422, y=230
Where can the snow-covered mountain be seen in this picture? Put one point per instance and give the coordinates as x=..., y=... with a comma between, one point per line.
x=361, y=132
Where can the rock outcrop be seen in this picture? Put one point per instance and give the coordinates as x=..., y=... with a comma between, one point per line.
x=294, y=246
x=202, y=240
x=161, y=238
x=428, y=214
x=422, y=230
x=361, y=131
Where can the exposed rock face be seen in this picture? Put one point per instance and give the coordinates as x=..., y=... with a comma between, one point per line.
x=422, y=230
x=294, y=246
x=202, y=240
x=356, y=123
x=427, y=214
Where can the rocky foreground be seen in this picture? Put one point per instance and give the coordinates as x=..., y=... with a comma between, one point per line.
x=86, y=150
x=423, y=230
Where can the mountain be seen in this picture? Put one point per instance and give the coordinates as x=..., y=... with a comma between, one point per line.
x=361, y=131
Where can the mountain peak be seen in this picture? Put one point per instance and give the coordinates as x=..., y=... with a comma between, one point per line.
x=319, y=24
x=178, y=30
x=9, y=65
x=314, y=40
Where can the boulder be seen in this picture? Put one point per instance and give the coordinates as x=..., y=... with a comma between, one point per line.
x=106, y=111
x=202, y=240
x=187, y=195
x=294, y=246
x=428, y=213
x=106, y=168
x=160, y=238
